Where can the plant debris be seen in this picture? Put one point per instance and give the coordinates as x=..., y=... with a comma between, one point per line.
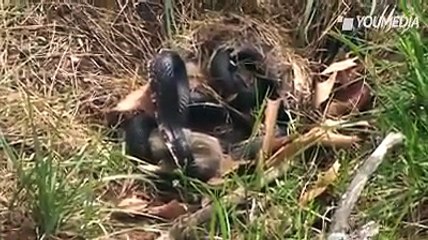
x=324, y=180
x=72, y=61
x=68, y=67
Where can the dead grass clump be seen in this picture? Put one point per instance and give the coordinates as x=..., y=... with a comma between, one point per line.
x=308, y=24
x=199, y=38
x=68, y=61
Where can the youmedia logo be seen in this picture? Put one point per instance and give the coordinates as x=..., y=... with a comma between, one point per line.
x=379, y=22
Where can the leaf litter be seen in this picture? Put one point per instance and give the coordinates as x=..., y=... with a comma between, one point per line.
x=349, y=96
x=324, y=180
x=276, y=164
x=345, y=93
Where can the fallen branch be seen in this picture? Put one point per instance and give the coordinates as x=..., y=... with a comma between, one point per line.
x=369, y=230
x=339, y=224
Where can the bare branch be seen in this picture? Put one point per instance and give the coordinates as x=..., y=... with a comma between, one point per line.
x=271, y=114
x=340, y=219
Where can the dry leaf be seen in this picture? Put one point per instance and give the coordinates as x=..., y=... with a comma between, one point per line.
x=74, y=59
x=151, y=168
x=323, y=90
x=133, y=204
x=139, y=99
x=230, y=164
x=227, y=166
x=337, y=108
x=347, y=76
x=297, y=143
x=131, y=207
x=340, y=66
x=339, y=140
x=294, y=145
x=194, y=71
x=354, y=97
x=216, y=181
x=13, y=97
x=324, y=180
x=169, y=211
x=362, y=123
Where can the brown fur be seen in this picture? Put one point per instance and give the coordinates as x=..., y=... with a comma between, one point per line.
x=205, y=148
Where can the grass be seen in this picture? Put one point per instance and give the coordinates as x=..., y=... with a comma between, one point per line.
x=405, y=174
x=67, y=194
x=398, y=191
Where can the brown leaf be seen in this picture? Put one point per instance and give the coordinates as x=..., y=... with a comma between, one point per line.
x=139, y=99
x=337, y=108
x=354, y=97
x=323, y=90
x=324, y=180
x=345, y=124
x=74, y=59
x=339, y=140
x=194, y=71
x=294, y=145
x=340, y=66
x=169, y=211
x=358, y=93
x=131, y=208
x=297, y=143
x=347, y=76
x=133, y=204
x=13, y=97
x=230, y=164
x=227, y=166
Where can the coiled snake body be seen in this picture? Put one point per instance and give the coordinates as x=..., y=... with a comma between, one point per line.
x=170, y=95
x=166, y=136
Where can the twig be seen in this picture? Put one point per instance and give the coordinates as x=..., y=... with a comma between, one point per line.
x=340, y=219
x=271, y=114
x=270, y=120
x=367, y=231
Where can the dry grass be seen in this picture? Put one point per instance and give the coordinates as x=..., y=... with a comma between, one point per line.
x=197, y=39
x=63, y=64
x=72, y=61
x=68, y=62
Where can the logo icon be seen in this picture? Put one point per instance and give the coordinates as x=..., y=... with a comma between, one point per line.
x=347, y=23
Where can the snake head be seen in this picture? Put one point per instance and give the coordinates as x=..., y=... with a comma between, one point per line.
x=223, y=71
x=170, y=87
x=249, y=55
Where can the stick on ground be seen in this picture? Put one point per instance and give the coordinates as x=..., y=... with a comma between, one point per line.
x=339, y=224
